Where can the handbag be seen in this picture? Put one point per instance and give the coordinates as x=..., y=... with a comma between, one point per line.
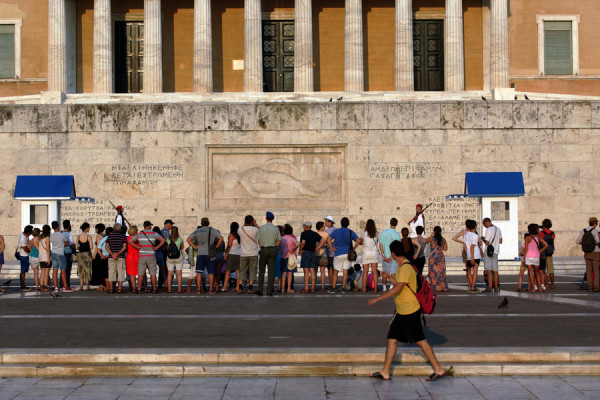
x=17, y=254
x=352, y=256
x=490, y=249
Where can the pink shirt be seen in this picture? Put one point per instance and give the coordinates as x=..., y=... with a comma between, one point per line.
x=291, y=243
x=532, y=249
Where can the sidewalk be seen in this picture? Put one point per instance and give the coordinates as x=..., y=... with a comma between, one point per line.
x=409, y=388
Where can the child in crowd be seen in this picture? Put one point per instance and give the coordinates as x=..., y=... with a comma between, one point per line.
x=354, y=275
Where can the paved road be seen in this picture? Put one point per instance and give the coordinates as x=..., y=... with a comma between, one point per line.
x=563, y=317
x=480, y=388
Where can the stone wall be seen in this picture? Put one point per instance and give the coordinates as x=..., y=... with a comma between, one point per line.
x=305, y=160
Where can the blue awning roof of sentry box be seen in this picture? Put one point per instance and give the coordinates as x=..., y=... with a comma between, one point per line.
x=47, y=187
x=494, y=184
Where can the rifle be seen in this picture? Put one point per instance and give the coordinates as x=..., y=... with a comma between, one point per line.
x=124, y=219
x=419, y=213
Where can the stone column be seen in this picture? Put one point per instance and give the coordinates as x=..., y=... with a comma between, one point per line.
x=203, y=69
x=454, y=57
x=303, y=47
x=103, y=76
x=152, y=47
x=499, y=44
x=405, y=76
x=57, y=46
x=253, y=68
x=354, y=78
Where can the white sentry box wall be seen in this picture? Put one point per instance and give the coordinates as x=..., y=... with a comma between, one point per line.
x=26, y=217
x=504, y=213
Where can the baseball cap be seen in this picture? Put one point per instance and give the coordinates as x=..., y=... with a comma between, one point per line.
x=330, y=218
x=308, y=224
x=147, y=223
x=270, y=215
x=168, y=221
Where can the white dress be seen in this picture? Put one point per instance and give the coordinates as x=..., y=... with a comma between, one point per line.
x=370, y=252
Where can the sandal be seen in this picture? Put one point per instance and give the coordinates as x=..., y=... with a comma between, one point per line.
x=377, y=375
x=180, y=291
x=155, y=291
x=312, y=290
x=434, y=377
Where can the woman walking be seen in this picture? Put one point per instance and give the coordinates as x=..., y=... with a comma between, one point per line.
x=100, y=262
x=437, y=261
x=44, y=254
x=232, y=257
x=174, y=259
x=370, y=254
x=132, y=259
x=532, y=249
x=84, y=245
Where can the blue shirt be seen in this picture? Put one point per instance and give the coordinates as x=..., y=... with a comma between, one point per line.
x=342, y=241
x=386, y=238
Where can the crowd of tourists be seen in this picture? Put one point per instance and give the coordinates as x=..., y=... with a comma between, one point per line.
x=152, y=259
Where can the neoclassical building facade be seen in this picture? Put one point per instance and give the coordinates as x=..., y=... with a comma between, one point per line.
x=203, y=46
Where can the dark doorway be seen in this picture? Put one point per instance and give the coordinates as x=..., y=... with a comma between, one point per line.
x=278, y=56
x=428, y=41
x=129, y=56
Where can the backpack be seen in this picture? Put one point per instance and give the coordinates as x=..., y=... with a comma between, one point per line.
x=424, y=294
x=588, y=243
x=173, y=251
x=548, y=239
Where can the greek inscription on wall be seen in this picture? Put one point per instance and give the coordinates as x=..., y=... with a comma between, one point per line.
x=396, y=171
x=101, y=211
x=451, y=215
x=276, y=177
x=144, y=174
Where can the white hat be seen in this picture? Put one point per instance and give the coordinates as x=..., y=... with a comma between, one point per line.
x=330, y=218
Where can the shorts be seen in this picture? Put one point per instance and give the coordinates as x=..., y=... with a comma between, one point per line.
x=175, y=264
x=143, y=263
x=248, y=267
x=390, y=267
x=491, y=263
x=406, y=328
x=341, y=263
x=44, y=264
x=59, y=261
x=233, y=262
x=203, y=262
x=34, y=262
x=323, y=261
x=24, y=264
x=116, y=269
x=549, y=265
x=2, y=258
x=475, y=261
x=532, y=261
x=308, y=260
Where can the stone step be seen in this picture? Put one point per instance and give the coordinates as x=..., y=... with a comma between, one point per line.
x=293, y=362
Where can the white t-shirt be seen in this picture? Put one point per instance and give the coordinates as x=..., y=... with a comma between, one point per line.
x=494, y=240
x=369, y=244
x=413, y=226
x=471, y=238
x=249, y=246
x=23, y=242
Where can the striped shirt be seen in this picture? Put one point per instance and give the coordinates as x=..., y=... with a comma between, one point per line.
x=147, y=240
x=115, y=242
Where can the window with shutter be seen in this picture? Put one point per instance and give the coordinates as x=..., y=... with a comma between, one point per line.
x=558, y=48
x=7, y=51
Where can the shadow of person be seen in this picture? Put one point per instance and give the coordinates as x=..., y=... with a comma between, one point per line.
x=434, y=338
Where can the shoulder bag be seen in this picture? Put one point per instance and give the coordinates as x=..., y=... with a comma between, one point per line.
x=490, y=248
x=212, y=249
x=352, y=256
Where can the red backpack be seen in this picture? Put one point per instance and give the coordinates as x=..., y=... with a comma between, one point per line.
x=424, y=294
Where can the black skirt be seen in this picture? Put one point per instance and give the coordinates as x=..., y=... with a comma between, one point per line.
x=99, y=270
